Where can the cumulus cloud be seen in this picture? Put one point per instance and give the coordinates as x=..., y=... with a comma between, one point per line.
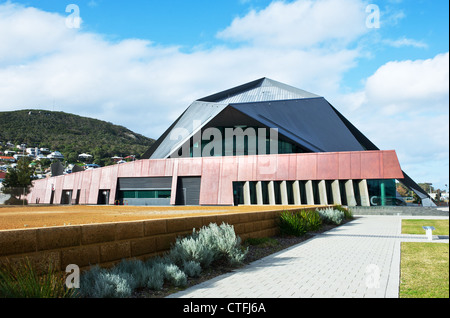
x=28, y=32
x=405, y=106
x=406, y=86
x=145, y=86
x=300, y=24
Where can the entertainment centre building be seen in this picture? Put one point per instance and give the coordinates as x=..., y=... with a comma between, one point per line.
x=261, y=143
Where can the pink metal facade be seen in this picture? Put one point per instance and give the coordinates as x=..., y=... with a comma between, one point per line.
x=218, y=174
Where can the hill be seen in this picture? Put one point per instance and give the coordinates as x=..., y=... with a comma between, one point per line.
x=71, y=135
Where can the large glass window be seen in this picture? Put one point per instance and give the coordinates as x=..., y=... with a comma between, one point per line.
x=248, y=144
x=164, y=194
x=146, y=194
x=382, y=192
x=128, y=194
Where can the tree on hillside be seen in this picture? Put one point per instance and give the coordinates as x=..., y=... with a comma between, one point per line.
x=18, y=181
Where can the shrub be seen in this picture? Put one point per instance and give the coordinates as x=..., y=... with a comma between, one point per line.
x=331, y=216
x=192, y=269
x=138, y=270
x=23, y=281
x=313, y=219
x=101, y=283
x=186, y=258
x=224, y=242
x=156, y=277
x=292, y=224
x=191, y=249
x=347, y=212
x=208, y=245
x=174, y=275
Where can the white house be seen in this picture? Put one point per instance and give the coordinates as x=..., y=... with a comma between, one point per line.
x=55, y=155
x=85, y=156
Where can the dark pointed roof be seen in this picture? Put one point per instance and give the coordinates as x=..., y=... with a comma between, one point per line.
x=303, y=117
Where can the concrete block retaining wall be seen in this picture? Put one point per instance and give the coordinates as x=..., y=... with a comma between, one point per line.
x=109, y=243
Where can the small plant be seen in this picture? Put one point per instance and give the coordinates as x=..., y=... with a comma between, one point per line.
x=186, y=259
x=331, y=216
x=175, y=276
x=292, y=224
x=192, y=269
x=101, y=283
x=207, y=245
x=313, y=219
x=347, y=212
x=191, y=249
x=156, y=277
x=23, y=281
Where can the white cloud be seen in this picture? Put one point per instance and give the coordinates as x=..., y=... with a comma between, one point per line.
x=402, y=42
x=28, y=32
x=406, y=86
x=142, y=85
x=300, y=23
x=405, y=106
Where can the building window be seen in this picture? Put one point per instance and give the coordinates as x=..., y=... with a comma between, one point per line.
x=382, y=192
x=146, y=194
x=249, y=144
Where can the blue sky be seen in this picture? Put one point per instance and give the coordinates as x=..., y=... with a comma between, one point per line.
x=194, y=23
x=141, y=63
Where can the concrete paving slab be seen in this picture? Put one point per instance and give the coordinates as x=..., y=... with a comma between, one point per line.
x=359, y=259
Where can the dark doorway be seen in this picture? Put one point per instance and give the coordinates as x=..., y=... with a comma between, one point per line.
x=238, y=193
x=52, y=197
x=103, y=197
x=188, y=191
x=66, y=197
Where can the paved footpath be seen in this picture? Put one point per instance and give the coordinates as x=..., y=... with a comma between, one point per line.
x=359, y=259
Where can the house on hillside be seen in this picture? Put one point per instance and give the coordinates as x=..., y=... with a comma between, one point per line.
x=7, y=159
x=56, y=155
x=85, y=157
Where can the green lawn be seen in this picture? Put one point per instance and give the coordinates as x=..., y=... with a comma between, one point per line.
x=414, y=226
x=424, y=266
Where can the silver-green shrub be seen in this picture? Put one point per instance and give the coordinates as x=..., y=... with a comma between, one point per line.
x=138, y=270
x=186, y=258
x=191, y=249
x=156, y=277
x=101, y=283
x=174, y=275
x=331, y=216
x=223, y=241
x=210, y=243
x=192, y=269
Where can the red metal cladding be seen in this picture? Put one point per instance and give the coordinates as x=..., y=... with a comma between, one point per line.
x=328, y=166
x=218, y=173
x=390, y=166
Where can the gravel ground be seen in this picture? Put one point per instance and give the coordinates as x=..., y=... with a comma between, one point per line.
x=25, y=217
